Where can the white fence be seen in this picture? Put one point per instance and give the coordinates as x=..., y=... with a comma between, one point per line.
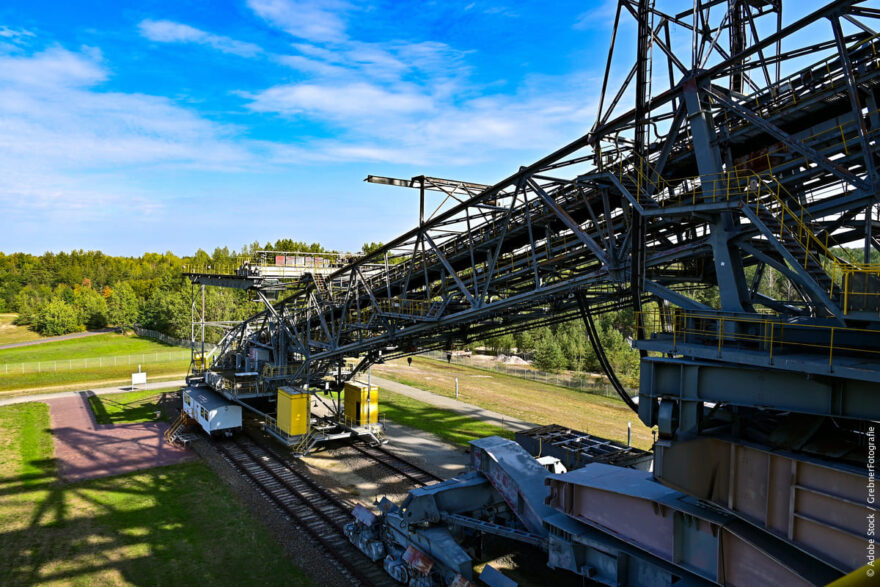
x=154, y=334
x=582, y=382
x=94, y=362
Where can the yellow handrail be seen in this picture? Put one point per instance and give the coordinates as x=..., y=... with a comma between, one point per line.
x=767, y=334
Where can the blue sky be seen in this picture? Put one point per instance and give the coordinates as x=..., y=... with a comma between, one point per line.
x=152, y=126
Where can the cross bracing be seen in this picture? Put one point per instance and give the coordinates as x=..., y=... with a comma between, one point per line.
x=756, y=150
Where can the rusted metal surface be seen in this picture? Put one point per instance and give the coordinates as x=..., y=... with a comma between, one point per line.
x=418, y=560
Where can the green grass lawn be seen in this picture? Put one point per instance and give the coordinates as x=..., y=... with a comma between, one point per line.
x=11, y=385
x=10, y=333
x=100, y=345
x=169, y=525
x=95, y=361
x=127, y=408
x=521, y=398
x=446, y=424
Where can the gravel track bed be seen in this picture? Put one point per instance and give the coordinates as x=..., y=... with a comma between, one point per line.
x=297, y=546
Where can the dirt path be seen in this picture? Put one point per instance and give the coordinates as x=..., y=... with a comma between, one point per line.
x=56, y=338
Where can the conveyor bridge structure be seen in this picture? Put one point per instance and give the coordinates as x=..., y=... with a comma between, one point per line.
x=754, y=155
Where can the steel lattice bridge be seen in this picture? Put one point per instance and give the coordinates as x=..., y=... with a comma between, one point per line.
x=756, y=151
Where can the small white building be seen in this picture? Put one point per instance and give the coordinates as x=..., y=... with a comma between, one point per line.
x=214, y=413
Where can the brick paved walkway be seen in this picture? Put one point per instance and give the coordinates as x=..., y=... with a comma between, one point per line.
x=86, y=450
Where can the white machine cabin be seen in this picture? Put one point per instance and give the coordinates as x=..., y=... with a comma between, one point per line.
x=215, y=414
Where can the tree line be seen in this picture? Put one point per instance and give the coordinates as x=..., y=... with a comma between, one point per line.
x=566, y=346
x=60, y=293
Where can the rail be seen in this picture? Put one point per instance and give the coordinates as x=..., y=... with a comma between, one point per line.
x=771, y=335
x=316, y=512
x=404, y=307
x=856, y=281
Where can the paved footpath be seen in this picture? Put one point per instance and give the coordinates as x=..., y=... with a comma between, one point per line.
x=454, y=405
x=86, y=450
x=42, y=397
x=15, y=345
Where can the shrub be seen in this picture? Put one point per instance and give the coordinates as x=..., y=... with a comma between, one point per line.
x=57, y=317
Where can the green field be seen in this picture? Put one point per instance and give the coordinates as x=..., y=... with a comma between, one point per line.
x=100, y=345
x=10, y=333
x=170, y=525
x=100, y=360
x=521, y=398
x=12, y=385
x=127, y=408
x=446, y=424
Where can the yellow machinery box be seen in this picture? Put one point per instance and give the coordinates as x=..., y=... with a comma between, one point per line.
x=294, y=411
x=361, y=404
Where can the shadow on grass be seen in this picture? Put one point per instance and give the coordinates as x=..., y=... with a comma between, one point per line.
x=170, y=524
x=109, y=411
x=448, y=425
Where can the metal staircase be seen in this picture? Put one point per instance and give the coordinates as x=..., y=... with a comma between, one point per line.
x=177, y=428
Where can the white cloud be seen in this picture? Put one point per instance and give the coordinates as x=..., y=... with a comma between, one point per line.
x=165, y=31
x=63, y=143
x=54, y=67
x=313, y=20
x=414, y=125
x=412, y=102
x=599, y=17
x=339, y=102
x=14, y=34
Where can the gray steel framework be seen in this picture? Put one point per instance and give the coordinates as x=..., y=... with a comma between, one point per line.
x=668, y=197
x=757, y=151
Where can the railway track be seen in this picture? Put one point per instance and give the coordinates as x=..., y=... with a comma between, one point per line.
x=413, y=473
x=311, y=507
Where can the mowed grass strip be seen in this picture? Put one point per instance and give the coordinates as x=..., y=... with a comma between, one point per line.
x=522, y=398
x=448, y=425
x=100, y=345
x=127, y=408
x=173, y=524
x=103, y=359
x=21, y=384
x=11, y=333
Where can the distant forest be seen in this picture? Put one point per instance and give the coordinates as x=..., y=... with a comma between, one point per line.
x=59, y=293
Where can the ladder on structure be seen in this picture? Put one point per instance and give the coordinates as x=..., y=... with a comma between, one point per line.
x=177, y=428
x=321, y=286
